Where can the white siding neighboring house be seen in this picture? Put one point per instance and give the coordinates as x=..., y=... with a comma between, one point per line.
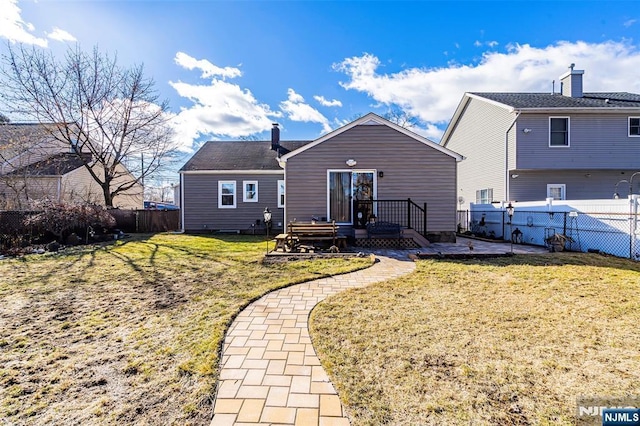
x=34, y=167
x=532, y=146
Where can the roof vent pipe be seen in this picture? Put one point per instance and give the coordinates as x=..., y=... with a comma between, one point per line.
x=275, y=137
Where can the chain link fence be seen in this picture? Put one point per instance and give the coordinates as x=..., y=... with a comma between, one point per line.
x=610, y=233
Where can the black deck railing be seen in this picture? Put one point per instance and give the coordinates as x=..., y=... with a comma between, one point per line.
x=406, y=213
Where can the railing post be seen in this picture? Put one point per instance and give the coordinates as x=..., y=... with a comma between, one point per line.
x=409, y=213
x=424, y=229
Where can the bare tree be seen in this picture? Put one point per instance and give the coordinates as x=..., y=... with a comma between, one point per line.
x=94, y=106
x=401, y=118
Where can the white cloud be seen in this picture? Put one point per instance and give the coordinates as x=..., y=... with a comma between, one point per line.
x=208, y=69
x=477, y=43
x=220, y=108
x=629, y=22
x=297, y=110
x=60, y=35
x=433, y=94
x=14, y=28
x=492, y=43
x=327, y=103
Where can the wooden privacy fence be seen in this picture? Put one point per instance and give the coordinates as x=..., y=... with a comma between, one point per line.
x=147, y=220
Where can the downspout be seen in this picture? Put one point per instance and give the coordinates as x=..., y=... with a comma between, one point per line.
x=59, y=187
x=507, y=196
x=182, y=201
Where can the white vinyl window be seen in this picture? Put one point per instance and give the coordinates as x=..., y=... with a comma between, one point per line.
x=281, y=193
x=557, y=191
x=250, y=194
x=559, y=132
x=634, y=127
x=227, y=194
x=484, y=196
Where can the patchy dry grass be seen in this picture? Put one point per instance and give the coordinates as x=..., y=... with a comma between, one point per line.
x=129, y=333
x=508, y=341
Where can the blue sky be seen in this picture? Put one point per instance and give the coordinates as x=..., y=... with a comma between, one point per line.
x=231, y=68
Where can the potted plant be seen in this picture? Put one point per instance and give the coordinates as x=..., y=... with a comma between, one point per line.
x=557, y=242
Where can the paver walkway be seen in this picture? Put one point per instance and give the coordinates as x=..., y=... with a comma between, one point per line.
x=270, y=372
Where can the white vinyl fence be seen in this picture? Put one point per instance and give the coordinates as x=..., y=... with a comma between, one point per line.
x=606, y=226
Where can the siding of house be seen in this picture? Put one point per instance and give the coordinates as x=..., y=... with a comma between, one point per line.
x=79, y=186
x=480, y=137
x=597, y=141
x=200, y=193
x=19, y=193
x=411, y=170
x=580, y=184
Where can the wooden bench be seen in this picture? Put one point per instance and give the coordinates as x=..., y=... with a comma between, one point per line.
x=299, y=233
x=384, y=230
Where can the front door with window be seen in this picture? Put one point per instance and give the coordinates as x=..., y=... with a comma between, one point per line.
x=346, y=186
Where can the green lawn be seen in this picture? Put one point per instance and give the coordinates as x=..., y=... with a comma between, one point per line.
x=129, y=333
x=508, y=341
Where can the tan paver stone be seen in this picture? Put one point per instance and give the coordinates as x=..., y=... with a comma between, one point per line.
x=318, y=374
x=253, y=392
x=303, y=400
x=278, y=396
x=297, y=370
x=278, y=415
x=228, y=406
x=307, y=417
x=251, y=410
x=254, y=377
x=276, y=366
x=311, y=360
x=274, y=345
x=301, y=384
x=232, y=374
x=255, y=353
x=236, y=351
x=276, y=380
x=228, y=388
x=295, y=358
x=293, y=347
x=255, y=363
x=233, y=361
x=322, y=388
x=223, y=420
x=292, y=338
x=238, y=341
x=275, y=355
x=334, y=421
x=330, y=406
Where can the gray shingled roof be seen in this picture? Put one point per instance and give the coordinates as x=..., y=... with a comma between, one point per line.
x=239, y=155
x=548, y=100
x=56, y=165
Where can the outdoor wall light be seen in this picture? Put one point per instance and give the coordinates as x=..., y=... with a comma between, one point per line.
x=514, y=176
x=527, y=130
x=380, y=174
x=351, y=162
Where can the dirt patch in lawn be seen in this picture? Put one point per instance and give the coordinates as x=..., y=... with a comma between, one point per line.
x=129, y=333
x=493, y=341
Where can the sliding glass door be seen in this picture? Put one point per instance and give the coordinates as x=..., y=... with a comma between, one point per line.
x=344, y=187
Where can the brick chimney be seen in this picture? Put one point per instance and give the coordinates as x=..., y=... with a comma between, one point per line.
x=275, y=137
x=571, y=83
